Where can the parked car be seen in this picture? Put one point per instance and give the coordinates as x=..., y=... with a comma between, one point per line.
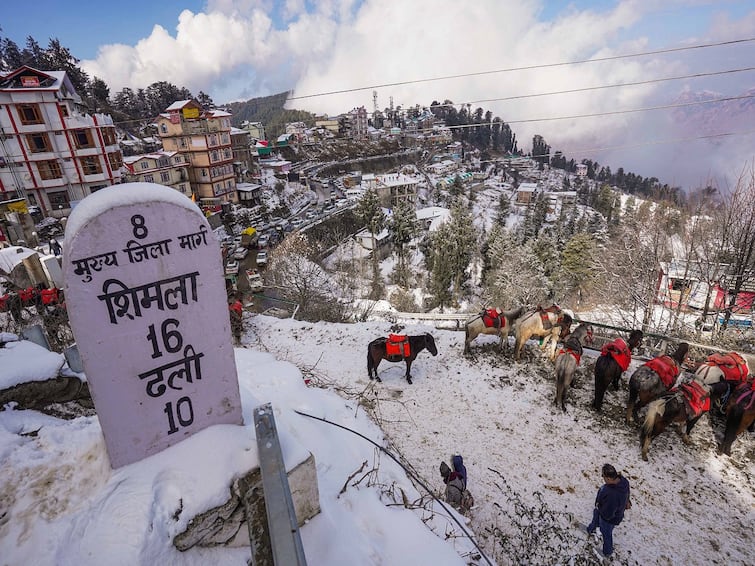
x=262, y=258
x=232, y=267
x=255, y=281
x=240, y=253
x=263, y=241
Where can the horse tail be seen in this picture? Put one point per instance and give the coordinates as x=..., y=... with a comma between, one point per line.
x=656, y=410
x=654, y=417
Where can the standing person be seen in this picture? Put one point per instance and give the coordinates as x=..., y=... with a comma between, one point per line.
x=55, y=248
x=610, y=503
x=236, y=310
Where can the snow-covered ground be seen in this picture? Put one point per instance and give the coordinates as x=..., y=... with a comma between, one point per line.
x=533, y=469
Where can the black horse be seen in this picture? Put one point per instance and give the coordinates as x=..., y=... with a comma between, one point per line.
x=377, y=351
x=740, y=415
x=608, y=370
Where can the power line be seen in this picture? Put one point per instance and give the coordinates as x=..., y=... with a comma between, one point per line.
x=528, y=67
x=597, y=114
x=598, y=87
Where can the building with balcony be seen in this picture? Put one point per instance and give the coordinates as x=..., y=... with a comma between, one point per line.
x=394, y=187
x=52, y=152
x=203, y=137
x=167, y=168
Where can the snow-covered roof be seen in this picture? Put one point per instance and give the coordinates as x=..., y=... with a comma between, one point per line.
x=11, y=256
x=177, y=105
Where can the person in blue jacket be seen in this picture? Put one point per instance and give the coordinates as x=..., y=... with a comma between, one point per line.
x=610, y=503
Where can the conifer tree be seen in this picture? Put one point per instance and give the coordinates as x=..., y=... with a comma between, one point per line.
x=403, y=227
x=371, y=214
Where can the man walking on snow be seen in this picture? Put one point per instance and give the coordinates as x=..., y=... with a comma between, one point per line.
x=610, y=503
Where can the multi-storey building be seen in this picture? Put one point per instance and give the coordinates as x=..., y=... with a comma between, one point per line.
x=204, y=138
x=243, y=162
x=52, y=152
x=167, y=168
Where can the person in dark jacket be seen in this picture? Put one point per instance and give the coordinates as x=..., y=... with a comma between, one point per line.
x=458, y=463
x=457, y=493
x=610, y=503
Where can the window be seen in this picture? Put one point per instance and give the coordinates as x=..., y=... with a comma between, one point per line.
x=30, y=114
x=214, y=156
x=144, y=164
x=59, y=200
x=204, y=172
x=108, y=136
x=163, y=129
x=49, y=170
x=83, y=138
x=181, y=142
x=149, y=178
x=165, y=177
x=115, y=159
x=64, y=110
x=38, y=143
x=91, y=165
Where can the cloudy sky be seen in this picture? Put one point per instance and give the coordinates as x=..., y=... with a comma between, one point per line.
x=236, y=50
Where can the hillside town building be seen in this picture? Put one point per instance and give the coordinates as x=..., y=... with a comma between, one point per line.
x=52, y=152
x=204, y=138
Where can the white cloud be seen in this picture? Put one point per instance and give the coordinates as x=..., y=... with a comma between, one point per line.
x=251, y=48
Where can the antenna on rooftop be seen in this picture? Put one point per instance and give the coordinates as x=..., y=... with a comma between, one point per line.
x=374, y=101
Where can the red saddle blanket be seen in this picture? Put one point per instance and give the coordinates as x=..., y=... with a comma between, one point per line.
x=696, y=397
x=666, y=368
x=619, y=351
x=733, y=366
x=397, y=345
x=577, y=355
x=491, y=318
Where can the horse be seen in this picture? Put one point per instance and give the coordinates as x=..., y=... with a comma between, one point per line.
x=653, y=379
x=380, y=349
x=568, y=360
x=476, y=326
x=684, y=404
x=614, y=359
x=719, y=367
x=740, y=414
x=550, y=323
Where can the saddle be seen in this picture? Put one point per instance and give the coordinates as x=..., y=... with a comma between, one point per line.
x=733, y=366
x=666, y=368
x=744, y=390
x=696, y=398
x=619, y=351
x=493, y=318
x=545, y=319
x=397, y=347
x=573, y=347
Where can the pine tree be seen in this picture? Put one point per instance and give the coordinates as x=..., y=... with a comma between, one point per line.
x=577, y=263
x=371, y=214
x=403, y=228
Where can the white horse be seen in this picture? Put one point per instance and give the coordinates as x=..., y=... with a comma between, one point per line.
x=476, y=326
x=550, y=324
x=723, y=367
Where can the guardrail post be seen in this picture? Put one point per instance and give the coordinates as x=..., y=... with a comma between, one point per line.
x=282, y=529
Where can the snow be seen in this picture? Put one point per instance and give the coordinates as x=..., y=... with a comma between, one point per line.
x=62, y=504
x=125, y=194
x=22, y=361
